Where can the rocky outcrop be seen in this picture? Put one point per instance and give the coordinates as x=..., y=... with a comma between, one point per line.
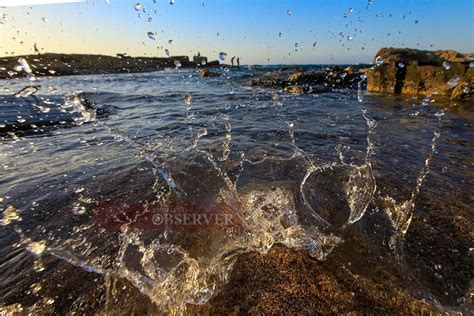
x=411, y=71
x=310, y=82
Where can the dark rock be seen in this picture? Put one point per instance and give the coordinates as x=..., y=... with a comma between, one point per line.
x=207, y=74
x=290, y=69
x=410, y=71
x=311, y=82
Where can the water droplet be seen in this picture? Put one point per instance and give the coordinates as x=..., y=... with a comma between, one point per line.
x=222, y=56
x=37, y=247
x=170, y=41
x=107, y=2
x=44, y=20
x=289, y=12
x=177, y=63
x=38, y=266
x=78, y=209
x=279, y=34
x=453, y=81
x=4, y=19
x=23, y=65
x=167, y=52
x=35, y=288
x=188, y=98
x=296, y=44
x=350, y=10
x=378, y=60
x=10, y=215
x=416, y=21
x=151, y=35
x=446, y=65
x=171, y=2
x=401, y=65
x=315, y=43
x=138, y=6
x=79, y=190
x=471, y=64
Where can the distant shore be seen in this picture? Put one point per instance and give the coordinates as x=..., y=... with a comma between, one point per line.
x=50, y=64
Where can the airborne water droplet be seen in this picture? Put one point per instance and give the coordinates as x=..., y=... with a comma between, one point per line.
x=170, y=41
x=401, y=65
x=378, y=60
x=167, y=52
x=44, y=20
x=151, y=35
x=446, y=65
x=171, y=2
x=138, y=6
x=222, y=56
x=289, y=12
x=177, y=63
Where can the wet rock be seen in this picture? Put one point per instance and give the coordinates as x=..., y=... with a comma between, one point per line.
x=410, y=71
x=306, y=89
x=294, y=89
x=311, y=82
x=208, y=74
x=291, y=281
x=290, y=69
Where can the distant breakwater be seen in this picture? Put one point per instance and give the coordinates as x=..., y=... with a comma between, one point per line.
x=50, y=64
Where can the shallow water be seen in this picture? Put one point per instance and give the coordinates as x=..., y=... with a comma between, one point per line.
x=119, y=189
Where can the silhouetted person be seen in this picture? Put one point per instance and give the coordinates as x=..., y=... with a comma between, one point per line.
x=238, y=61
x=232, y=60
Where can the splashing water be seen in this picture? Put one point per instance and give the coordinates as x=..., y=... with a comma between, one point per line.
x=259, y=171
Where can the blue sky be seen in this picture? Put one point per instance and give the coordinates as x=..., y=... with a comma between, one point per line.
x=249, y=29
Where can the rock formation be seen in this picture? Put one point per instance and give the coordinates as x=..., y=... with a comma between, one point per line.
x=411, y=71
x=310, y=82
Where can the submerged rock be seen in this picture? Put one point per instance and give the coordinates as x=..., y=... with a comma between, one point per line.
x=411, y=71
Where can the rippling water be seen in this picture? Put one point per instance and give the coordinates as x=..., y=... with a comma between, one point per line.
x=163, y=179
